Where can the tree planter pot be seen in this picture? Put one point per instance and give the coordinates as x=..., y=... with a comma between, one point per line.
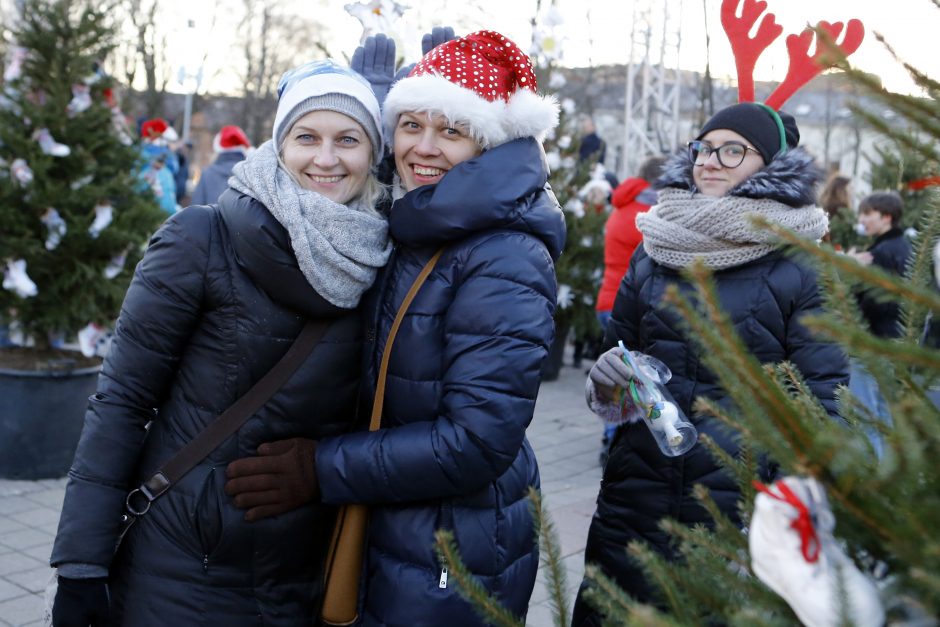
x=41, y=417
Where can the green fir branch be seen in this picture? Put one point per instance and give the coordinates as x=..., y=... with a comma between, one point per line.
x=551, y=559
x=485, y=604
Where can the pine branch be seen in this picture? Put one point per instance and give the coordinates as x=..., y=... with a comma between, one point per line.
x=551, y=559
x=485, y=604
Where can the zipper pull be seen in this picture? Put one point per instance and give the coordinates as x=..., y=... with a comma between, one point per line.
x=443, y=582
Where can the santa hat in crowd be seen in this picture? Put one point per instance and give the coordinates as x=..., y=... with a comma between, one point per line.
x=157, y=129
x=229, y=139
x=482, y=80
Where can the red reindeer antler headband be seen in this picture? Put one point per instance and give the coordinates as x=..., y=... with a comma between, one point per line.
x=803, y=67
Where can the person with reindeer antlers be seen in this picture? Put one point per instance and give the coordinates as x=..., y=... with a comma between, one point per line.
x=745, y=160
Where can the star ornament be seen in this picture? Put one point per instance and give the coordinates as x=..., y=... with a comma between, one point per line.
x=376, y=16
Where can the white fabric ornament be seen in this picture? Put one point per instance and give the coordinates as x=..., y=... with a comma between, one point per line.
x=21, y=172
x=556, y=81
x=93, y=339
x=81, y=100
x=377, y=16
x=16, y=280
x=553, y=159
x=49, y=145
x=82, y=182
x=116, y=265
x=576, y=207
x=119, y=124
x=565, y=296
x=56, y=226
x=15, y=68
x=104, y=213
x=794, y=552
x=564, y=141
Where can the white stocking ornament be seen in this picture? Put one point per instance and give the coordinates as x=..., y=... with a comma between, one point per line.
x=116, y=265
x=104, y=213
x=794, y=552
x=49, y=145
x=16, y=280
x=21, y=172
x=81, y=100
x=56, y=226
x=15, y=69
x=92, y=339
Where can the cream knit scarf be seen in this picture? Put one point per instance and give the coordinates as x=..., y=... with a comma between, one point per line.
x=684, y=226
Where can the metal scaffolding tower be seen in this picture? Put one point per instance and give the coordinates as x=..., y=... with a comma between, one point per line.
x=651, y=111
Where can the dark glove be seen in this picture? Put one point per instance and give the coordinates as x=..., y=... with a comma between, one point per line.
x=281, y=478
x=375, y=61
x=429, y=41
x=81, y=602
x=610, y=371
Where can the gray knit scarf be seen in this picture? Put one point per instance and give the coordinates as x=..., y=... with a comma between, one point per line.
x=339, y=248
x=684, y=226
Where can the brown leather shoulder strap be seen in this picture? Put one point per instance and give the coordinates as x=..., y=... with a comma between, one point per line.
x=232, y=418
x=379, y=399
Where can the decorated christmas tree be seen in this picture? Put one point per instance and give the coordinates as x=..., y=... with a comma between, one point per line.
x=75, y=214
x=580, y=267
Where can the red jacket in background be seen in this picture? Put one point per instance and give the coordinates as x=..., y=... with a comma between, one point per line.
x=621, y=237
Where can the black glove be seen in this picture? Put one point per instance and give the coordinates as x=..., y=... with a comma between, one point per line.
x=375, y=61
x=429, y=41
x=81, y=602
x=281, y=478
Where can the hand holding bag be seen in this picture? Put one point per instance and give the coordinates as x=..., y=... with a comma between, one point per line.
x=344, y=559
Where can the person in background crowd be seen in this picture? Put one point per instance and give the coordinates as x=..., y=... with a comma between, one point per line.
x=160, y=163
x=183, y=152
x=621, y=237
x=836, y=199
x=879, y=215
x=745, y=160
x=230, y=145
x=465, y=368
x=594, y=148
x=220, y=295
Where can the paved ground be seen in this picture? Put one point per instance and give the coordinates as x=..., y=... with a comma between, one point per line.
x=564, y=434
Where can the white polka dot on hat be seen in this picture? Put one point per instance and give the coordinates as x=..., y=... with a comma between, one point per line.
x=482, y=80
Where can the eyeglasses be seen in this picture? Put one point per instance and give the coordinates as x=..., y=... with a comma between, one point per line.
x=730, y=154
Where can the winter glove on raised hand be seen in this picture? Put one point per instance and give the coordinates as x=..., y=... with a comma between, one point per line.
x=375, y=61
x=610, y=371
x=81, y=602
x=281, y=478
x=429, y=41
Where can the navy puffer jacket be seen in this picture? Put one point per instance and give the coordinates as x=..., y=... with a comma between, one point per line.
x=214, y=304
x=461, y=389
x=765, y=300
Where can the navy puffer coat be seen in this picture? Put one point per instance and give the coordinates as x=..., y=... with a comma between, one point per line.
x=765, y=300
x=214, y=304
x=461, y=389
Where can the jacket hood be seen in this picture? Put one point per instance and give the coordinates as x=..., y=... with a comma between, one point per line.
x=627, y=192
x=790, y=178
x=263, y=252
x=504, y=188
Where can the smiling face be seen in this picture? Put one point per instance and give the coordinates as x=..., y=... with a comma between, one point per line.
x=328, y=153
x=714, y=179
x=427, y=147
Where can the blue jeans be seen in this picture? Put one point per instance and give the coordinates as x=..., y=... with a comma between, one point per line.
x=865, y=388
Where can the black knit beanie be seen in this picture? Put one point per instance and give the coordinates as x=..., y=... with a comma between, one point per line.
x=756, y=125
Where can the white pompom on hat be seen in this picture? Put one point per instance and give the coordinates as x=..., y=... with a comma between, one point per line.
x=230, y=138
x=482, y=80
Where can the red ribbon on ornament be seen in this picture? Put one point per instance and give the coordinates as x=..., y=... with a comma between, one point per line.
x=923, y=183
x=803, y=525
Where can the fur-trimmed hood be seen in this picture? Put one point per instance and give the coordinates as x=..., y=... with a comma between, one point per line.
x=790, y=178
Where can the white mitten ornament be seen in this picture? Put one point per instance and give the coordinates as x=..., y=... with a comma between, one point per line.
x=21, y=172
x=16, y=280
x=104, y=214
x=794, y=552
x=56, y=226
x=81, y=100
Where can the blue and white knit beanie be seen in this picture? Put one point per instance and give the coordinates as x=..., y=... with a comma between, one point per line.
x=327, y=86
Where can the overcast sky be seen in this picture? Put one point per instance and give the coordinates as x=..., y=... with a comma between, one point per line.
x=598, y=31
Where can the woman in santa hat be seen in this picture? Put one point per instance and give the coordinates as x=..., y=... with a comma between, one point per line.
x=220, y=296
x=465, y=367
x=230, y=145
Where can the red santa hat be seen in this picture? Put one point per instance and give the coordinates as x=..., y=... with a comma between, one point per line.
x=482, y=80
x=153, y=129
x=230, y=138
